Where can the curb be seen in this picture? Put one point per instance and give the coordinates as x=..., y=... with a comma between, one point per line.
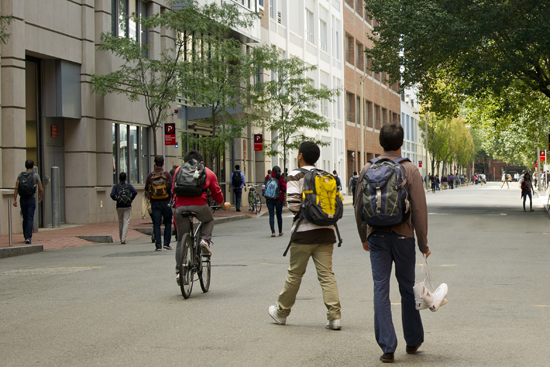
x=6, y=252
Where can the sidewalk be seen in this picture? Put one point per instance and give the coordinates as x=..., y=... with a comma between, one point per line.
x=72, y=235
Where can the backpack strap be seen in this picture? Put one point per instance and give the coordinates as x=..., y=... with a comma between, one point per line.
x=338, y=233
x=292, y=236
x=401, y=159
x=374, y=160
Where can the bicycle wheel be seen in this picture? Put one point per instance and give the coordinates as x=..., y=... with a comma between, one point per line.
x=204, y=276
x=186, y=269
x=251, y=201
x=258, y=200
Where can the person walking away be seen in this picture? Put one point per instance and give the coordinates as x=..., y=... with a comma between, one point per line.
x=527, y=190
x=437, y=182
x=535, y=179
x=275, y=189
x=504, y=181
x=158, y=185
x=394, y=243
x=237, y=181
x=191, y=182
x=434, y=183
x=353, y=184
x=25, y=186
x=338, y=182
x=124, y=194
x=444, y=181
x=451, y=181
x=309, y=240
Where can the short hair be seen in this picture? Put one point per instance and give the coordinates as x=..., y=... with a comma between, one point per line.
x=268, y=171
x=122, y=176
x=237, y=166
x=193, y=154
x=310, y=152
x=334, y=172
x=29, y=163
x=391, y=136
x=159, y=161
x=355, y=173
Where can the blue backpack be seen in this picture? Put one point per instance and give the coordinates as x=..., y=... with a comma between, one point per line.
x=272, y=191
x=385, y=195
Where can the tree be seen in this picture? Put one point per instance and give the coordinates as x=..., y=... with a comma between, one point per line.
x=287, y=104
x=462, y=47
x=158, y=82
x=5, y=20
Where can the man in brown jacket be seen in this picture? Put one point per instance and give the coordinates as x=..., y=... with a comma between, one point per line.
x=395, y=244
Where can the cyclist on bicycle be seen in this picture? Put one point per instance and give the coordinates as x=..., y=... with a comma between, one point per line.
x=198, y=203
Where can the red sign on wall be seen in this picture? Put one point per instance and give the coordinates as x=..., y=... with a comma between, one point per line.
x=258, y=142
x=170, y=134
x=542, y=155
x=54, y=131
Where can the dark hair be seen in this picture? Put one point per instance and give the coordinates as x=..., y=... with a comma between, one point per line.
x=268, y=171
x=122, y=176
x=277, y=171
x=193, y=154
x=310, y=152
x=355, y=173
x=334, y=172
x=159, y=161
x=29, y=163
x=391, y=136
x=527, y=176
x=237, y=166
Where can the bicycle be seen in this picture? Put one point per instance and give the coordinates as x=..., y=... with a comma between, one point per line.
x=192, y=260
x=254, y=199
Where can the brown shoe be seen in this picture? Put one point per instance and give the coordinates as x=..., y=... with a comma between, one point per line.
x=412, y=349
x=387, y=358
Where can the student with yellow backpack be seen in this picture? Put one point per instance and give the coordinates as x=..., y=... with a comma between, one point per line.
x=158, y=186
x=313, y=198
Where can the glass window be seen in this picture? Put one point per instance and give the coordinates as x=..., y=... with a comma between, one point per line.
x=133, y=150
x=130, y=152
x=272, y=9
x=123, y=26
x=123, y=148
x=144, y=153
x=309, y=26
x=115, y=150
x=358, y=109
x=324, y=35
x=337, y=45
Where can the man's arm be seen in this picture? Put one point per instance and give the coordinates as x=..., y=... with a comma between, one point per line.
x=419, y=209
x=40, y=192
x=361, y=225
x=294, y=192
x=113, y=191
x=244, y=181
x=15, y=193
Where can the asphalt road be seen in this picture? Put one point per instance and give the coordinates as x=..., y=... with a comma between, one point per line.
x=119, y=305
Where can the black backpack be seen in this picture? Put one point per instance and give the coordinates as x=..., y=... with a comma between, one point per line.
x=27, y=187
x=190, y=179
x=237, y=179
x=354, y=182
x=124, y=196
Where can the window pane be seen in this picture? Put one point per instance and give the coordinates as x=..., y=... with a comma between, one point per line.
x=122, y=12
x=133, y=149
x=144, y=148
x=143, y=33
x=114, y=153
x=123, y=148
x=132, y=26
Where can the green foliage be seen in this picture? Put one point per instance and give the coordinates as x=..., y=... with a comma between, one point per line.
x=286, y=105
x=462, y=48
x=5, y=20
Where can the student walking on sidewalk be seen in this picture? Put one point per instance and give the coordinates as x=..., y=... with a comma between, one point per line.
x=124, y=194
x=275, y=189
x=25, y=186
x=527, y=190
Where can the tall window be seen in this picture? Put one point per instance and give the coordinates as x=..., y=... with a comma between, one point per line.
x=349, y=49
x=309, y=27
x=123, y=26
x=272, y=9
x=324, y=103
x=359, y=56
x=324, y=35
x=337, y=45
x=350, y=107
x=359, y=7
x=131, y=152
x=358, y=112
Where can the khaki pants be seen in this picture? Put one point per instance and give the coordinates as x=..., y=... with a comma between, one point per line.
x=124, y=215
x=322, y=258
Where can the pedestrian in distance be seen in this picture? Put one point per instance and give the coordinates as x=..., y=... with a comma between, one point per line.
x=353, y=184
x=434, y=183
x=394, y=244
x=451, y=181
x=444, y=182
x=437, y=182
x=275, y=189
x=238, y=182
x=25, y=186
x=527, y=190
x=504, y=180
x=158, y=185
x=338, y=182
x=124, y=194
x=309, y=240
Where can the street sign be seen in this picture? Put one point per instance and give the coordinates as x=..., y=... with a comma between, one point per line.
x=258, y=142
x=54, y=131
x=170, y=134
x=542, y=155
x=420, y=164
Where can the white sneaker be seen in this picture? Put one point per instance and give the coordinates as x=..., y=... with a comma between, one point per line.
x=334, y=324
x=205, y=247
x=439, y=295
x=273, y=313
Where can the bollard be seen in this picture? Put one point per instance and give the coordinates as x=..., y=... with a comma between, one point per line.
x=35, y=217
x=56, y=221
x=9, y=223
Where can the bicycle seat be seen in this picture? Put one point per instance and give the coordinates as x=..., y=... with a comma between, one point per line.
x=188, y=214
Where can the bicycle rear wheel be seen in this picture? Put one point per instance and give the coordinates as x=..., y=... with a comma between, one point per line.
x=258, y=200
x=186, y=269
x=204, y=275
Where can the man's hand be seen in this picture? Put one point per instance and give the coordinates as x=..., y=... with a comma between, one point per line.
x=15, y=203
x=427, y=253
x=366, y=246
x=245, y=189
x=229, y=188
x=226, y=206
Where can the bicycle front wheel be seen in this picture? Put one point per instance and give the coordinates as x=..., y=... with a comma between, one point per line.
x=186, y=269
x=258, y=203
x=205, y=274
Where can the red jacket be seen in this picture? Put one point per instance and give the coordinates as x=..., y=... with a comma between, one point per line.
x=211, y=184
x=282, y=186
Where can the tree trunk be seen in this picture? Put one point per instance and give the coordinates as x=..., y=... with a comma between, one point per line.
x=155, y=140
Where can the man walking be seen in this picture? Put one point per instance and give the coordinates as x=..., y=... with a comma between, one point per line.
x=395, y=244
x=353, y=184
x=124, y=194
x=237, y=181
x=158, y=185
x=309, y=241
x=25, y=186
x=338, y=182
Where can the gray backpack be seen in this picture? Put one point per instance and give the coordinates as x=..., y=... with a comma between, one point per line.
x=385, y=195
x=191, y=179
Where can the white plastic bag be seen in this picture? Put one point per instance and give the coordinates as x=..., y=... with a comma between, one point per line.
x=425, y=296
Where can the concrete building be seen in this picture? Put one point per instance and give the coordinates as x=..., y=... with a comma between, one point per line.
x=413, y=144
x=50, y=115
x=312, y=30
x=380, y=103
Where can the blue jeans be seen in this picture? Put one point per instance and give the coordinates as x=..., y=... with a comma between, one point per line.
x=238, y=195
x=528, y=193
x=28, y=207
x=385, y=248
x=271, y=206
x=162, y=213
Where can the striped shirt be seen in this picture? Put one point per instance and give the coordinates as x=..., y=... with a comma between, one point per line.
x=308, y=233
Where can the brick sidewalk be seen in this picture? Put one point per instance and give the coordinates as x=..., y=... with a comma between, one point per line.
x=67, y=235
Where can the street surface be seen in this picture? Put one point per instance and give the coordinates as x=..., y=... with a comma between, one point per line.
x=119, y=305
